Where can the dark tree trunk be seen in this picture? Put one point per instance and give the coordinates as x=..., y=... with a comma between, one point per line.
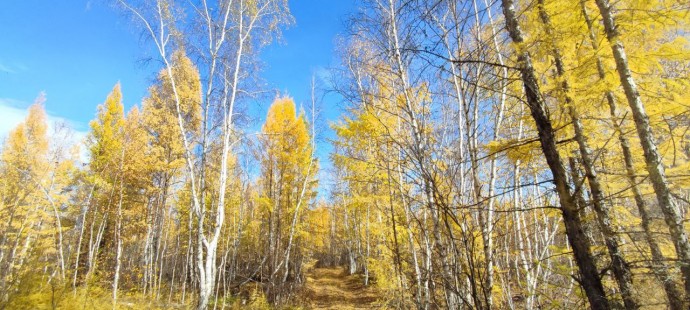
x=589, y=276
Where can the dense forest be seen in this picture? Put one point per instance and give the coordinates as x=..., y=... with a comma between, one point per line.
x=513, y=154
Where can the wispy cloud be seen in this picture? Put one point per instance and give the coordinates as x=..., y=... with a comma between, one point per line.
x=323, y=76
x=13, y=103
x=21, y=66
x=4, y=68
x=12, y=68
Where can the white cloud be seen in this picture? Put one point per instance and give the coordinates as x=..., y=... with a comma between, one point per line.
x=10, y=116
x=13, y=112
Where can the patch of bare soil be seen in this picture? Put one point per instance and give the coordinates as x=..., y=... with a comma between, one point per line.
x=334, y=288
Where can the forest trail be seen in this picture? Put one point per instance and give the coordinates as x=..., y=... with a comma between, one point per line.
x=333, y=288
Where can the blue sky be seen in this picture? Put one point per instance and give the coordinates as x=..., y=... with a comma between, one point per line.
x=72, y=50
x=75, y=51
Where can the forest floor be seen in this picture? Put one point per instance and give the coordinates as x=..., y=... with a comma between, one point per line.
x=334, y=288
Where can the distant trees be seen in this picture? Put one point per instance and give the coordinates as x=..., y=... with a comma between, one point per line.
x=287, y=179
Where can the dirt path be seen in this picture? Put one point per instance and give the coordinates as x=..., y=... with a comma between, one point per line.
x=333, y=288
